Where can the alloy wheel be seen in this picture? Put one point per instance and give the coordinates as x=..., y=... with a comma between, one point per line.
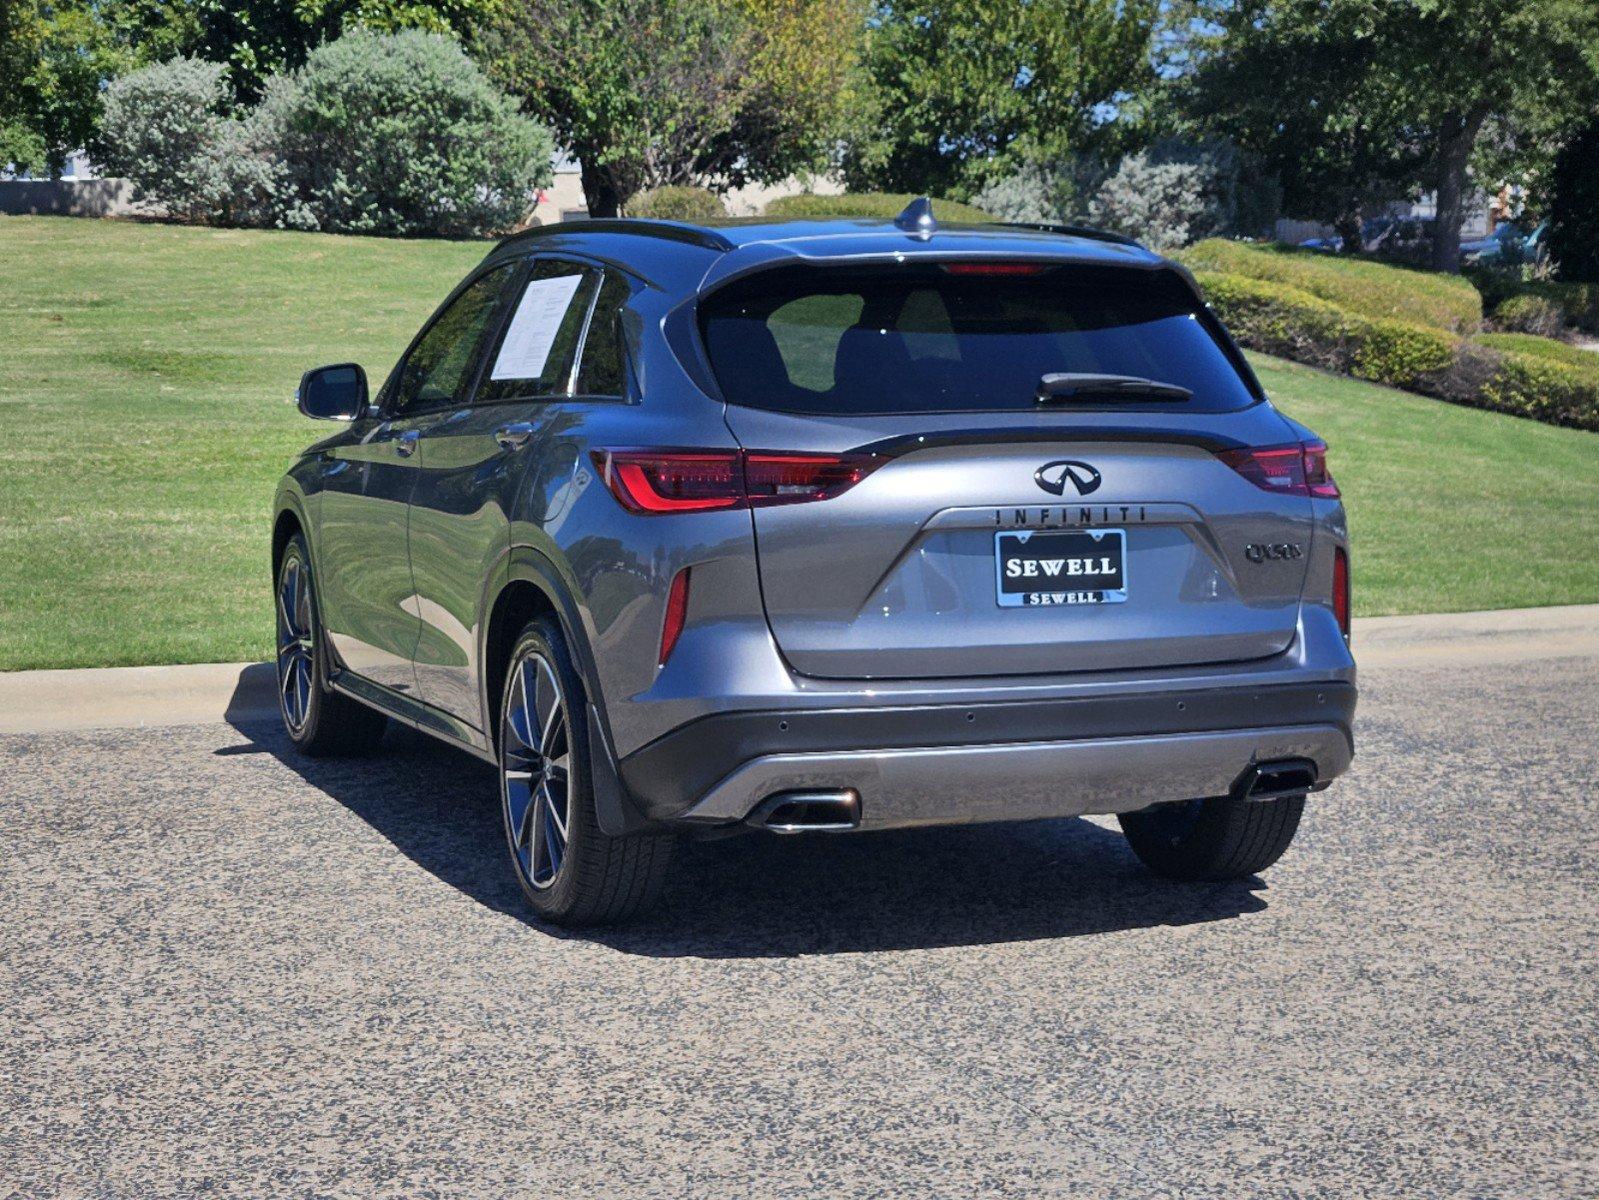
x=535, y=768
x=296, y=647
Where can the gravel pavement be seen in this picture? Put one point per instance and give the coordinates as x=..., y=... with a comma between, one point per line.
x=225, y=971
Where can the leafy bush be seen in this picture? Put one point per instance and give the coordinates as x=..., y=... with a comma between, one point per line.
x=868, y=204
x=1153, y=202
x=1372, y=289
x=677, y=204
x=400, y=134
x=1578, y=301
x=165, y=130
x=1514, y=373
x=1528, y=313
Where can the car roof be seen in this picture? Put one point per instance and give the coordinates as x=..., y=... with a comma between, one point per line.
x=701, y=255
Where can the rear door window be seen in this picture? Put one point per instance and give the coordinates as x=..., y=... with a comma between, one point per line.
x=604, y=356
x=925, y=338
x=533, y=355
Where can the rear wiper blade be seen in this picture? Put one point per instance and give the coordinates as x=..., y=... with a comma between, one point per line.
x=1074, y=386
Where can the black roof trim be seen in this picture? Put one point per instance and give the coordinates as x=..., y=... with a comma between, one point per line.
x=1081, y=231
x=672, y=231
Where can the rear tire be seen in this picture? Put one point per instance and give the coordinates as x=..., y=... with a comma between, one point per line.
x=1217, y=839
x=320, y=722
x=570, y=870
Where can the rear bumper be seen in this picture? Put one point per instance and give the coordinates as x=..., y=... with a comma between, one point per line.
x=962, y=763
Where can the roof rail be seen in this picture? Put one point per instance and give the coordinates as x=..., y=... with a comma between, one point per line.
x=1082, y=231
x=673, y=231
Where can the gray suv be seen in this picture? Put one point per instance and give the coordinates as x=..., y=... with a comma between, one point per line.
x=825, y=525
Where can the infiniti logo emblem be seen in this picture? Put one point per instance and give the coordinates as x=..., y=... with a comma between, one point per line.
x=1054, y=476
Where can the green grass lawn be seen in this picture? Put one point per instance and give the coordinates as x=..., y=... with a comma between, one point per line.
x=144, y=403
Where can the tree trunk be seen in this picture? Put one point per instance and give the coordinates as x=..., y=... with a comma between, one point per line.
x=1347, y=227
x=1456, y=137
x=599, y=192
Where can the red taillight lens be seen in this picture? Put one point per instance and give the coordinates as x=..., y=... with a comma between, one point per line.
x=676, y=614
x=796, y=478
x=668, y=481
x=1317, y=479
x=1340, y=596
x=995, y=268
x=1299, y=469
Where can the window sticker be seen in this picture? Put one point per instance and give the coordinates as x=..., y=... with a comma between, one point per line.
x=538, y=316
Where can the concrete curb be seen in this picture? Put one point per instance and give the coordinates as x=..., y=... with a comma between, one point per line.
x=134, y=697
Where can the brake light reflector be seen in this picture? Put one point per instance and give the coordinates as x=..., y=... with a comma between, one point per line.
x=1340, y=596
x=671, y=481
x=676, y=614
x=1298, y=469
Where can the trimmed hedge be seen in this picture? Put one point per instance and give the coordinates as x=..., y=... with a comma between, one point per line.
x=1577, y=302
x=1542, y=347
x=869, y=204
x=1499, y=372
x=677, y=204
x=1531, y=314
x=1370, y=289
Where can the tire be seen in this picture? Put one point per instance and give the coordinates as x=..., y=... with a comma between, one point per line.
x=319, y=721
x=570, y=870
x=1217, y=839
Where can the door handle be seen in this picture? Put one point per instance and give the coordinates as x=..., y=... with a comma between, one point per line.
x=513, y=435
x=405, y=444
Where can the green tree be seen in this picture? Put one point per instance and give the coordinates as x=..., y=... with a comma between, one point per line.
x=1349, y=99
x=964, y=90
x=659, y=93
x=1574, y=207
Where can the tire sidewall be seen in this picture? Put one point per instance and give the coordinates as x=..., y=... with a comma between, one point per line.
x=297, y=551
x=544, y=637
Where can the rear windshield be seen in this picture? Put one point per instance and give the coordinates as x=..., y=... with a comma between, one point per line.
x=915, y=338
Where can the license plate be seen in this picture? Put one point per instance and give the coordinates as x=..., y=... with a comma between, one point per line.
x=1080, y=566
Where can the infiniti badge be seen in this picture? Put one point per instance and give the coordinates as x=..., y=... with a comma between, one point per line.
x=1054, y=476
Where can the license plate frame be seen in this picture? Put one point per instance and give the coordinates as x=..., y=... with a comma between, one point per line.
x=1063, y=547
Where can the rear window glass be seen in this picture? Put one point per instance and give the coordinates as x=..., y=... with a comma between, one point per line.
x=917, y=338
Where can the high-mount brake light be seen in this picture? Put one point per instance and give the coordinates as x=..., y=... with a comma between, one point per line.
x=1297, y=469
x=675, y=481
x=995, y=268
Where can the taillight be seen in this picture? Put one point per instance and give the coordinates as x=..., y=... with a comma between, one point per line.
x=676, y=614
x=1340, y=596
x=1299, y=469
x=668, y=481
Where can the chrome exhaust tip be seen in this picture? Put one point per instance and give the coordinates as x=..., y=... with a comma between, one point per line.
x=830, y=811
x=1275, y=779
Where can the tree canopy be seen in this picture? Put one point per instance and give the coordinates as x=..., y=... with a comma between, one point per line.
x=656, y=93
x=964, y=90
x=1348, y=100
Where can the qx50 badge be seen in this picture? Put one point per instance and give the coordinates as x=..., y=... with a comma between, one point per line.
x=1259, y=552
x=1054, y=476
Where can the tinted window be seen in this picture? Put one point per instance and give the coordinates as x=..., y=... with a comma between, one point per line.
x=920, y=338
x=533, y=355
x=439, y=368
x=601, y=371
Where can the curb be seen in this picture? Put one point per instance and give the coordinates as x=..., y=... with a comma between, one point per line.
x=148, y=697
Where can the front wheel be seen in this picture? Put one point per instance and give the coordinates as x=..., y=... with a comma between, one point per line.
x=1222, y=838
x=571, y=871
x=319, y=721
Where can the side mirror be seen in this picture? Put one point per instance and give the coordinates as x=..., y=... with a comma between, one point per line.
x=336, y=393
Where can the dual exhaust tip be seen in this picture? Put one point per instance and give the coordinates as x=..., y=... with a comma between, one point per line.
x=835, y=810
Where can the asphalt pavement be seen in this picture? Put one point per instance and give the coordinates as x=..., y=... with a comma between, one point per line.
x=227, y=971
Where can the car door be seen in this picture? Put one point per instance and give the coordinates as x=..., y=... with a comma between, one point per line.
x=368, y=594
x=476, y=463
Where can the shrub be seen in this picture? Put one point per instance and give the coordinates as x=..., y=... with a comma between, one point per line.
x=164, y=129
x=1528, y=313
x=400, y=134
x=1154, y=202
x=868, y=204
x=1372, y=289
x=677, y=204
x=1515, y=373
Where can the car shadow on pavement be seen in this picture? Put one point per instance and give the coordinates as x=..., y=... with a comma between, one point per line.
x=762, y=895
